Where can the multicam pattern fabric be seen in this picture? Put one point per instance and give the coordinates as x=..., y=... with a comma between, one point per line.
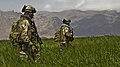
x=24, y=33
x=64, y=35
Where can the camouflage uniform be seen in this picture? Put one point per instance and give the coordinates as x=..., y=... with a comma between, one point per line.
x=65, y=34
x=27, y=37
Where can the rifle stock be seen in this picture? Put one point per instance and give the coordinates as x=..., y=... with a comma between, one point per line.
x=39, y=40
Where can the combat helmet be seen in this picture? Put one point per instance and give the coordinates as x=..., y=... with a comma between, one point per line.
x=66, y=21
x=28, y=8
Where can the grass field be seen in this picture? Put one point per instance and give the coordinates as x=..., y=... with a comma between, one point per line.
x=102, y=51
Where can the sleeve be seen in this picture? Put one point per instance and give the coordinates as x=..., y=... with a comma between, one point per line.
x=24, y=31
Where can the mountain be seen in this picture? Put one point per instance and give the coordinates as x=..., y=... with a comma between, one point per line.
x=6, y=19
x=84, y=23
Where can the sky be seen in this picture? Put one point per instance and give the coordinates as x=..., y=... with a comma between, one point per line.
x=60, y=5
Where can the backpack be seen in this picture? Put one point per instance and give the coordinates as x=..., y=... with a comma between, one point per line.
x=59, y=36
x=15, y=32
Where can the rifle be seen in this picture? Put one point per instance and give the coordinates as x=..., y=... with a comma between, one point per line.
x=39, y=40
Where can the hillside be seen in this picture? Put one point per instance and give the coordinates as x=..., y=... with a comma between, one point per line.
x=84, y=23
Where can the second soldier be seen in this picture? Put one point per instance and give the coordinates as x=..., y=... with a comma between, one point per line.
x=64, y=35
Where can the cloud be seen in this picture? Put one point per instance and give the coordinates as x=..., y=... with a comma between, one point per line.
x=61, y=0
x=100, y=5
x=60, y=5
x=80, y=4
x=47, y=6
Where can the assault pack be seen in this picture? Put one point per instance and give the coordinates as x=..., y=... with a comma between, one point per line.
x=15, y=31
x=61, y=35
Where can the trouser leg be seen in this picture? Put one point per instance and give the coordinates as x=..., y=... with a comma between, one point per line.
x=63, y=45
x=29, y=51
x=33, y=52
x=69, y=44
x=23, y=52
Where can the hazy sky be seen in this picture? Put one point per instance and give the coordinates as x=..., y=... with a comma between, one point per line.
x=60, y=5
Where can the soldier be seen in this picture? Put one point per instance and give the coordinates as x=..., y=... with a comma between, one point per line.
x=24, y=34
x=65, y=34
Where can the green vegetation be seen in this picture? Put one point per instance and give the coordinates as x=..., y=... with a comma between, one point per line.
x=103, y=51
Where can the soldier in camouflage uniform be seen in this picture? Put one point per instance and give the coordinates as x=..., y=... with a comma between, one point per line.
x=24, y=34
x=65, y=34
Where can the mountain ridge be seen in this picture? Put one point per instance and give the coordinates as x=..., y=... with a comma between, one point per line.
x=84, y=23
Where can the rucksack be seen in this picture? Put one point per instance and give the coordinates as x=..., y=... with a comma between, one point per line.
x=15, y=31
x=59, y=36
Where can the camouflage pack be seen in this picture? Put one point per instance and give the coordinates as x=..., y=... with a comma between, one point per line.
x=61, y=35
x=57, y=36
x=15, y=31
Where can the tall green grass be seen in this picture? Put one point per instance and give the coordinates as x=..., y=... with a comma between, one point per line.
x=103, y=51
